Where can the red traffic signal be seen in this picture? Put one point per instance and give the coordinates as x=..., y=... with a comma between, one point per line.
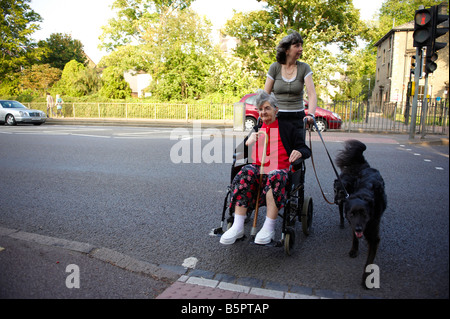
x=423, y=27
x=422, y=17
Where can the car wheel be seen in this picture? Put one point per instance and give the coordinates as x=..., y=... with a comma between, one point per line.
x=321, y=124
x=249, y=123
x=10, y=120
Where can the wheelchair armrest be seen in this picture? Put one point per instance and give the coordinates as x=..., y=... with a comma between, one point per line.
x=239, y=156
x=295, y=166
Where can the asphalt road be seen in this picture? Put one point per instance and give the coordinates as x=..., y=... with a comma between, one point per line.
x=120, y=188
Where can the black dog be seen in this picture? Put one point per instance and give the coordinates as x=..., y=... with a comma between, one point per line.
x=366, y=202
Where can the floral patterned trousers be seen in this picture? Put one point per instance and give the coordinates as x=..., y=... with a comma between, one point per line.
x=245, y=187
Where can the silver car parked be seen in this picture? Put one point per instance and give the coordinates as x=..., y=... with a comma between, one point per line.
x=13, y=112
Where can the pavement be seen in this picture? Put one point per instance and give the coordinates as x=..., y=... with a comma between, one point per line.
x=33, y=266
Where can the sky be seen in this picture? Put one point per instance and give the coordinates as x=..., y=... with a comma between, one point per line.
x=83, y=19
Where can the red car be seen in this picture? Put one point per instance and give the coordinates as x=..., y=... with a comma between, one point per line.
x=324, y=119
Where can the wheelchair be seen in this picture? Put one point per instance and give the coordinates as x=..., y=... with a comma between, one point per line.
x=298, y=207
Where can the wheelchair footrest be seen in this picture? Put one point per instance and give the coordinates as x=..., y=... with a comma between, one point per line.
x=273, y=243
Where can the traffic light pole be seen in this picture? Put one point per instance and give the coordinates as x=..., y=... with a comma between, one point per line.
x=423, y=116
x=417, y=73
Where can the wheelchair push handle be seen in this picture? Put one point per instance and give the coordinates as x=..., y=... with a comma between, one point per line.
x=305, y=121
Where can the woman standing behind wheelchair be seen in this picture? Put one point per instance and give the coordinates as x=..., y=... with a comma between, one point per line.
x=285, y=146
x=287, y=78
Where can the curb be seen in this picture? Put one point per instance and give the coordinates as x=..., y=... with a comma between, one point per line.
x=256, y=287
x=435, y=141
x=104, y=254
x=183, y=279
x=237, y=291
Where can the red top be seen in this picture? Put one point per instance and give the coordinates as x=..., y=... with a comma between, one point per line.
x=276, y=155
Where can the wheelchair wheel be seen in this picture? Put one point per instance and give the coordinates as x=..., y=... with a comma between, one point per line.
x=307, y=215
x=289, y=240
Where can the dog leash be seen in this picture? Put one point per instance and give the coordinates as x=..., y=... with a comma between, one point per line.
x=331, y=161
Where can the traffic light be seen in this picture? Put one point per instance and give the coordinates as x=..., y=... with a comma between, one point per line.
x=423, y=27
x=430, y=60
x=431, y=57
x=413, y=64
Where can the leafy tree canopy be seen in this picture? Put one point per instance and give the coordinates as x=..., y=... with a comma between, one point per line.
x=39, y=77
x=320, y=23
x=17, y=23
x=77, y=80
x=60, y=49
x=133, y=18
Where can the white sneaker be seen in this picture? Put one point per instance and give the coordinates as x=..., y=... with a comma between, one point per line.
x=264, y=237
x=230, y=236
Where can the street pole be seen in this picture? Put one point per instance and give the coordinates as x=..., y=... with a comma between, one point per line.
x=417, y=74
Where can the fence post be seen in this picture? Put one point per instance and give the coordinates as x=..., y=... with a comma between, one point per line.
x=350, y=116
x=444, y=120
x=73, y=108
x=395, y=117
x=187, y=113
x=367, y=111
x=98, y=109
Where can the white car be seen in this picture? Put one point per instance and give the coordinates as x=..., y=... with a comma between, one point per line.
x=13, y=112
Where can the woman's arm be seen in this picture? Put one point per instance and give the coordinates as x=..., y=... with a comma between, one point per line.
x=312, y=96
x=268, y=87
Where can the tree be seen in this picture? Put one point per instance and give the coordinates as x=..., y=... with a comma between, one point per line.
x=128, y=57
x=77, y=80
x=179, y=48
x=60, y=49
x=229, y=78
x=162, y=37
x=258, y=34
x=39, y=77
x=359, y=68
x=172, y=43
x=17, y=23
x=114, y=85
x=134, y=17
x=320, y=23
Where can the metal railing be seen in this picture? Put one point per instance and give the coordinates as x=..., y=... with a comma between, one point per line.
x=155, y=111
x=393, y=117
x=357, y=115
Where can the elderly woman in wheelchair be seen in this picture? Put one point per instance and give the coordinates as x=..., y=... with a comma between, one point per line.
x=284, y=145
